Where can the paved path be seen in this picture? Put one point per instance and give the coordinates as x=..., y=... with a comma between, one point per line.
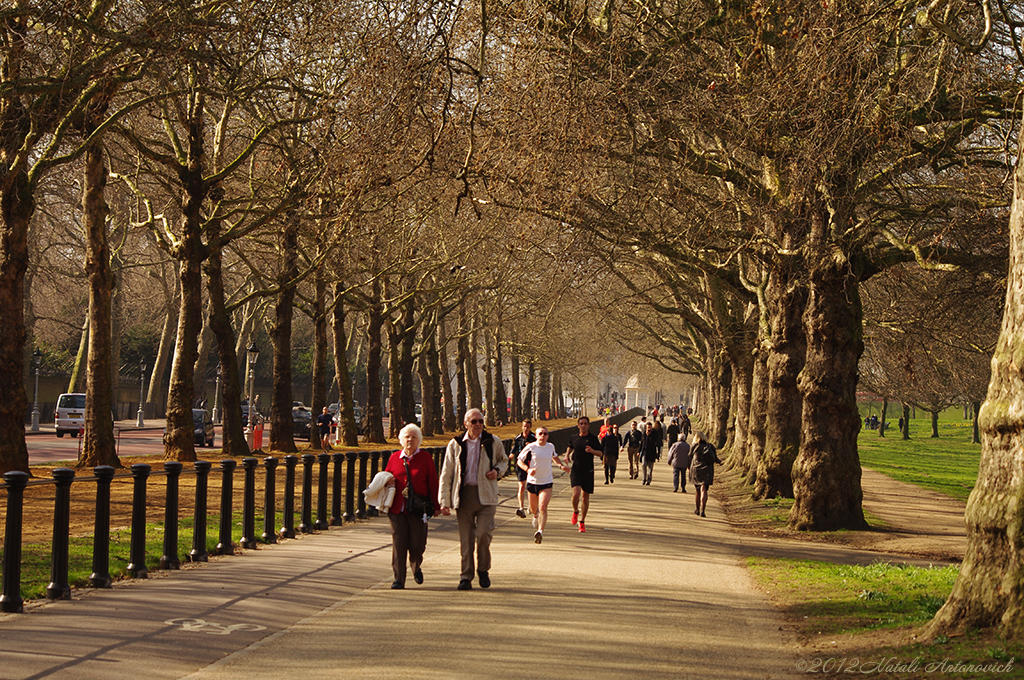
x=650, y=590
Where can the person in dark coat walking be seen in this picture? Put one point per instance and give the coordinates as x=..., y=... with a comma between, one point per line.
x=649, y=453
x=703, y=459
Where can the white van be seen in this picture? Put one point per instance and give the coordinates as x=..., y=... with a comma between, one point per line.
x=70, y=414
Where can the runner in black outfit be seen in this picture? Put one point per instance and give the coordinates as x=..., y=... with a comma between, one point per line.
x=583, y=448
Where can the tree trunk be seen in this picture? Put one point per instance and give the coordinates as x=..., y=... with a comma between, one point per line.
x=758, y=409
x=517, y=393
x=500, y=395
x=935, y=424
x=374, y=432
x=318, y=390
x=156, y=395
x=179, y=441
x=489, y=411
x=462, y=378
x=881, y=422
x=544, y=395
x=473, y=389
x=98, y=447
x=528, y=397
x=906, y=421
x=434, y=397
x=349, y=434
x=988, y=591
x=786, y=298
x=202, y=362
x=81, y=357
x=975, y=434
x=450, y=420
x=281, y=419
x=826, y=472
x=406, y=363
x=394, y=383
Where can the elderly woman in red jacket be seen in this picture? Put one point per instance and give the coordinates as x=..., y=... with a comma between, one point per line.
x=409, y=525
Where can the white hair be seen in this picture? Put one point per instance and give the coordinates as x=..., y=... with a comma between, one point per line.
x=469, y=415
x=415, y=431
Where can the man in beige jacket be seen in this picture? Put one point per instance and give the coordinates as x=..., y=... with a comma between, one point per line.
x=472, y=465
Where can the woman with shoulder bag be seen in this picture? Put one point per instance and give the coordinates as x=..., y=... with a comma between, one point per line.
x=413, y=504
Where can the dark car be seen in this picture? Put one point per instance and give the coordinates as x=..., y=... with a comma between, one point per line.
x=301, y=419
x=204, y=427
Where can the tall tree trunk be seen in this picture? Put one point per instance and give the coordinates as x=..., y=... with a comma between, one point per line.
x=935, y=424
x=281, y=419
x=428, y=392
x=81, y=357
x=906, y=421
x=881, y=423
x=528, y=397
x=500, y=395
x=406, y=363
x=489, y=409
x=517, y=393
x=349, y=434
x=318, y=391
x=975, y=434
x=475, y=392
x=232, y=428
x=156, y=396
x=787, y=348
x=16, y=208
x=758, y=408
x=374, y=433
x=544, y=395
x=988, y=591
x=202, y=361
x=826, y=472
x=721, y=386
x=435, y=398
x=462, y=376
x=450, y=418
x=98, y=448
x=394, y=383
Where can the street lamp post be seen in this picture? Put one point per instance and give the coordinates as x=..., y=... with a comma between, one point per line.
x=37, y=358
x=216, y=399
x=252, y=353
x=141, y=420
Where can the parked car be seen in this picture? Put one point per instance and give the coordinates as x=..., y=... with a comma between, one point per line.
x=301, y=419
x=69, y=415
x=204, y=427
x=357, y=412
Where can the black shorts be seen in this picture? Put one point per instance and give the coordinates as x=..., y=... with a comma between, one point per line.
x=521, y=474
x=537, y=488
x=583, y=479
x=324, y=433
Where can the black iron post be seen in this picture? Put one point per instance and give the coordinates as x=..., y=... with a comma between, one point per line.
x=385, y=456
x=306, y=518
x=249, y=504
x=170, y=557
x=59, y=588
x=374, y=460
x=321, y=493
x=350, y=487
x=288, y=517
x=360, y=498
x=100, y=577
x=338, y=459
x=269, y=500
x=224, y=545
x=198, y=552
x=137, y=551
x=10, y=599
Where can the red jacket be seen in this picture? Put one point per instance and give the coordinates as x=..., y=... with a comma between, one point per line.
x=424, y=478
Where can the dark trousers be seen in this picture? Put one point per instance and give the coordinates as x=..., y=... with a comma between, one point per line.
x=476, y=526
x=408, y=541
x=609, y=468
x=678, y=478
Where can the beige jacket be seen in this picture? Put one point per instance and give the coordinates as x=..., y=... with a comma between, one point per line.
x=451, y=473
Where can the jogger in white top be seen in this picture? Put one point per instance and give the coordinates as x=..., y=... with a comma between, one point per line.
x=536, y=458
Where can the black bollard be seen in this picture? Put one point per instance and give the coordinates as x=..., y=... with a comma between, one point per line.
x=385, y=456
x=269, y=500
x=288, y=519
x=100, y=577
x=198, y=552
x=360, y=498
x=59, y=588
x=374, y=460
x=306, y=518
x=224, y=544
x=321, y=493
x=338, y=458
x=249, y=504
x=170, y=558
x=10, y=599
x=137, y=552
x=350, y=487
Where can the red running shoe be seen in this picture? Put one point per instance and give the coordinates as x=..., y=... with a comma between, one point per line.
x=575, y=517
x=582, y=528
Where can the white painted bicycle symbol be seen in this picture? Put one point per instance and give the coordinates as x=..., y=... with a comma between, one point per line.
x=201, y=626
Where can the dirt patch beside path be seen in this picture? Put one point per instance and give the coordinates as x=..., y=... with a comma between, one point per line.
x=905, y=519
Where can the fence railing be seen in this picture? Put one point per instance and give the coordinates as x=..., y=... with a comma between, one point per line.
x=355, y=468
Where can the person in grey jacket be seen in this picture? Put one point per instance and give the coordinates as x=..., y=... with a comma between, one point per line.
x=703, y=459
x=469, y=484
x=679, y=459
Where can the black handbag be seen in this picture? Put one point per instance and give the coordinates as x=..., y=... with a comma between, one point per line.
x=415, y=503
